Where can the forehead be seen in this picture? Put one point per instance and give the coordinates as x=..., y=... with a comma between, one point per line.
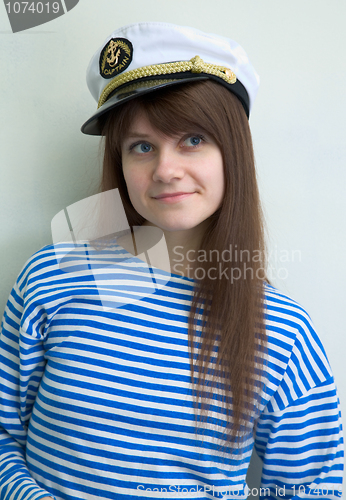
x=170, y=118
x=140, y=126
x=140, y=123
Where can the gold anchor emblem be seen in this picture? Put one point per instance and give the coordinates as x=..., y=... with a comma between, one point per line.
x=115, y=57
x=114, y=54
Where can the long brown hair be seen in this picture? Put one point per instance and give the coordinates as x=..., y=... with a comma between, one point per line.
x=231, y=307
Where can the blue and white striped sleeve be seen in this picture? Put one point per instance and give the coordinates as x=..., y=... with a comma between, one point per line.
x=21, y=368
x=299, y=433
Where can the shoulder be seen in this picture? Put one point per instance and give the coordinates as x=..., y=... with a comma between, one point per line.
x=283, y=306
x=43, y=264
x=287, y=317
x=89, y=270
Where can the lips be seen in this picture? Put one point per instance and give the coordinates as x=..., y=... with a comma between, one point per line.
x=171, y=195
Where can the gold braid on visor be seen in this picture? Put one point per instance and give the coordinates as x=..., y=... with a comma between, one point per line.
x=195, y=65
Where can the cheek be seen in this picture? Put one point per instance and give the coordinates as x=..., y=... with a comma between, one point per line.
x=214, y=175
x=135, y=183
x=127, y=178
x=130, y=177
x=221, y=177
x=129, y=173
x=218, y=183
x=219, y=171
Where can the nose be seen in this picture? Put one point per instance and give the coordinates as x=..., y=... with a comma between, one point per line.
x=168, y=166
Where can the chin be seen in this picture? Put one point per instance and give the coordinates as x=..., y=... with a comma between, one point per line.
x=175, y=223
x=179, y=226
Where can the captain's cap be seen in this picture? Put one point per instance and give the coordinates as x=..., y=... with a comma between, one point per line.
x=143, y=57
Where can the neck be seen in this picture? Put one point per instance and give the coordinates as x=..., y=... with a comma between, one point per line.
x=178, y=244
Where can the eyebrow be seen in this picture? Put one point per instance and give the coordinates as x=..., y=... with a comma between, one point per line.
x=135, y=134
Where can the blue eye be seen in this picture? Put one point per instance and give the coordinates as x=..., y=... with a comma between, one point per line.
x=142, y=147
x=194, y=140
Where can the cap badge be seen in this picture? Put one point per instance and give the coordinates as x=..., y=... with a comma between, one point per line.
x=115, y=57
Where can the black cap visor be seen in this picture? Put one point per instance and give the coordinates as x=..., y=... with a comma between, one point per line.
x=131, y=90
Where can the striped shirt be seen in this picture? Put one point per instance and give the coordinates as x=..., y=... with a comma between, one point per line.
x=96, y=398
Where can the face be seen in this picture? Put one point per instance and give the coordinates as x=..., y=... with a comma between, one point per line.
x=175, y=183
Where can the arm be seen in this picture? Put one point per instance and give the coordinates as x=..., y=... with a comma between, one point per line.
x=298, y=434
x=302, y=446
x=22, y=366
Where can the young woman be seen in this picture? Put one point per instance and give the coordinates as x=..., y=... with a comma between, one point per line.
x=126, y=375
